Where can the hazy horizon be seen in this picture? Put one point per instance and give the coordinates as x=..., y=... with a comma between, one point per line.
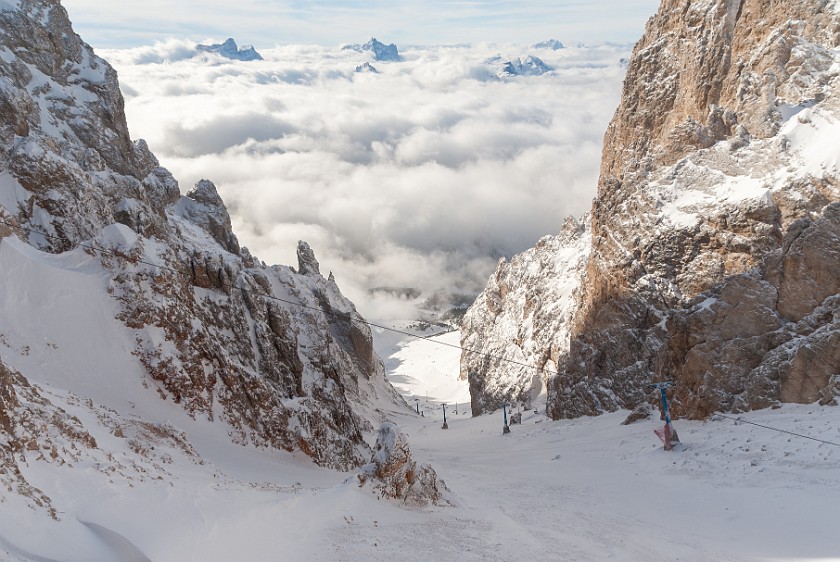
x=267, y=23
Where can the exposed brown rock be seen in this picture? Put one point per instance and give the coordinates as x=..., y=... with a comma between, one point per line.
x=714, y=251
x=32, y=428
x=395, y=475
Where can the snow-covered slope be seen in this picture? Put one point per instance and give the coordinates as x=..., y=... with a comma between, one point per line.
x=135, y=331
x=731, y=491
x=714, y=244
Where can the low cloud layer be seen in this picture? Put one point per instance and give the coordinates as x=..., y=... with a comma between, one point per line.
x=421, y=175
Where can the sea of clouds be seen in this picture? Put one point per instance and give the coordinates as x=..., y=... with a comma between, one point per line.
x=421, y=175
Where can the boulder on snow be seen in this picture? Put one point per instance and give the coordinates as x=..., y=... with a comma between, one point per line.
x=393, y=474
x=640, y=412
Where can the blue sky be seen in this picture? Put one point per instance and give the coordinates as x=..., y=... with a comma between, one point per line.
x=265, y=23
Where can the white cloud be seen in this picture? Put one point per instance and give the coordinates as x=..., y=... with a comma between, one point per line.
x=421, y=175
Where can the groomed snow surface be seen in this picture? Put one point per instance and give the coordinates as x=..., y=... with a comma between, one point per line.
x=587, y=489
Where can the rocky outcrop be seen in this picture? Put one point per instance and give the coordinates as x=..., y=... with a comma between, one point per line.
x=307, y=264
x=37, y=429
x=204, y=207
x=712, y=253
x=277, y=358
x=393, y=474
x=522, y=321
x=764, y=337
x=33, y=429
x=706, y=71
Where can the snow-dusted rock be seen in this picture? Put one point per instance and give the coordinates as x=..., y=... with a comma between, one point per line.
x=204, y=207
x=230, y=50
x=713, y=240
x=379, y=50
x=528, y=66
x=307, y=263
x=522, y=321
x=270, y=357
x=367, y=67
x=393, y=474
x=33, y=429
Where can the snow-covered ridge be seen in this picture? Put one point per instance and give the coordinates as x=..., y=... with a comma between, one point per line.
x=230, y=50
x=528, y=66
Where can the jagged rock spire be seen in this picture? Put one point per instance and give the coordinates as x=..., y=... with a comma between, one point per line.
x=307, y=264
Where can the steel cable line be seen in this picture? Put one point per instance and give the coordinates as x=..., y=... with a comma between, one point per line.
x=739, y=419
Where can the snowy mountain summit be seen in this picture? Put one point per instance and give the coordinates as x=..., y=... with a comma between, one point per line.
x=367, y=67
x=712, y=251
x=552, y=44
x=230, y=50
x=529, y=66
x=137, y=336
x=379, y=50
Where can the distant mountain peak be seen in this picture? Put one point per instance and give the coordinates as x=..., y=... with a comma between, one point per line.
x=230, y=50
x=529, y=66
x=552, y=44
x=381, y=51
x=366, y=67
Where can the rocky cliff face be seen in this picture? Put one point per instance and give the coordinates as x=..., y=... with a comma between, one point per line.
x=277, y=357
x=713, y=258
x=522, y=321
